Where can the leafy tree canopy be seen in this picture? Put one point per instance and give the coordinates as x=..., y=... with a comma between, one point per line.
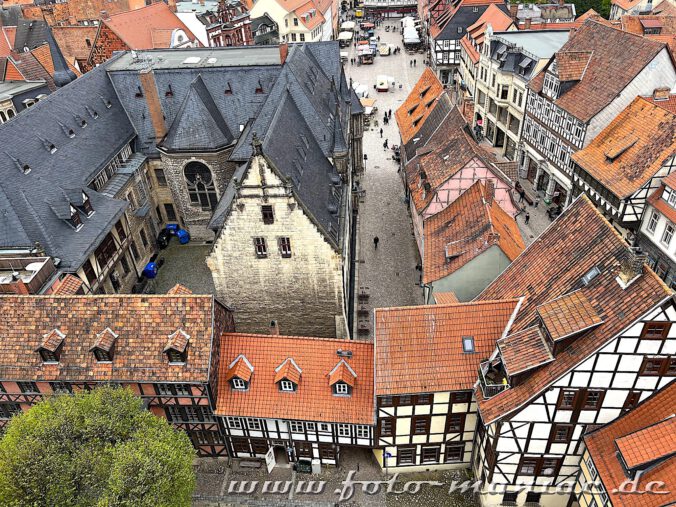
x=99, y=449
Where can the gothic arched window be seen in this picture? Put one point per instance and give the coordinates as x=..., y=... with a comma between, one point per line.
x=200, y=185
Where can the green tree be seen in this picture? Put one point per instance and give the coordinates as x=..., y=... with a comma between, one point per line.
x=99, y=449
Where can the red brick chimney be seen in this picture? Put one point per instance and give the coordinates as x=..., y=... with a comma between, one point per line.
x=526, y=24
x=283, y=52
x=513, y=11
x=147, y=79
x=274, y=328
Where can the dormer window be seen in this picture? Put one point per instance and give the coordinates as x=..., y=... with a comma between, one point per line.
x=239, y=384
x=551, y=86
x=75, y=219
x=177, y=347
x=342, y=377
x=71, y=133
x=104, y=346
x=50, y=348
x=87, y=205
x=239, y=373
x=341, y=389
x=287, y=375
x=287, y=385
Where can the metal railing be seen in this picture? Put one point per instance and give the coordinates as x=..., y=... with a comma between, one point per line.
x=488, y=388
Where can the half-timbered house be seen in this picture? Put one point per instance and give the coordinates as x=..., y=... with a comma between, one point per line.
x=426, y=366
x=303, y=398
x=582, y=88
x=162, y=347
x=625, y=163
x=593, y=335
x=638, y=446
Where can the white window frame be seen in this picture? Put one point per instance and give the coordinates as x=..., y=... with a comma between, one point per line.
x=668, y=233
x=238, y=383
x=325, y=427
x=296, y=427
x=310, y=426
x=235, y=423
x=254, y=424
x=342, y=389
x=344, y=430
x=362, y=431
x=286, y=385
x=654, y=220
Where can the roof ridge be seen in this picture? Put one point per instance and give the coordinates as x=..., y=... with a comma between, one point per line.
x=295, y=337
x=446, y=305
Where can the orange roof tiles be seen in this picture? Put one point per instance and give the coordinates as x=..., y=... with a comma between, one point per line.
x=240, y=368
x=178, y=340
x=668, y=104
x=105, y=340
x=656, y=201
x=469, y=48
x=464, y=230
x=142, y=323
x=313, y=400
x=179, y=290
x=44, y=57
x=52, y=340
x=605, y=77
x=419, y=349
x=638, y=24
x=553, y=265
x=524, y=350
x=69, y=286
x=6, y=44
x=602, y=446
x=288, y=370
x=571, y=65
x=494, y=16
x=568, y=315
x=631, y=149
x=72, y=40
x=342, y=373
x=412, y=113
x=445, y=298
x=648, y=444
x=136, y=28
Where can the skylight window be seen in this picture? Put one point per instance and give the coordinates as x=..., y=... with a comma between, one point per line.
x=590, y=275
x=468, y=344
x=192, y=60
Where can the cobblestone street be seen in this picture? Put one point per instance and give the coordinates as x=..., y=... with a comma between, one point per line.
x=389, y=271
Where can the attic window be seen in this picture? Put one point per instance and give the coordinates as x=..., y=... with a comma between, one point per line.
x=169, y=92
x=139, y=92
x=108, y=103
x=52, y=148
x=287, y=385
x=259, y=88
x=412, y=110
x=75, y=219
x=429, y=104
x=424, y=92
x=590, y=275
x=417, y=121
x=239, y=384
x=71, y=133
x=50, y=348
x=87, y=205
x=26, y=168
x=104, y=346
x=468, y=344
x=228, y=90
x=177, y=347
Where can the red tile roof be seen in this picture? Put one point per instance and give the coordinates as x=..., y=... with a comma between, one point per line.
x=469, y=48
x=656, y=201
x=179, y=290
x=648, y=444
x=645, y=432
x=72, y=41
x=313, y=400
x=69, y=286
x=445, y=298
x=552, y=266
x=465, y=229
x=136, y=28
x=342, y=373
x=668, y=104
x=143, y=324
x=572, y=64
x=604, y=78
x=524, y=350
x=419, y=349
x=418, y=105
x=52, y=340
x=631, y=149
x=569, y=314
x=288, y=370
x=494, y=16
x=240, y=368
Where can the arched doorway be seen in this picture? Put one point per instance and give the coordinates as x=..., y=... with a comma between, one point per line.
x=201, y=188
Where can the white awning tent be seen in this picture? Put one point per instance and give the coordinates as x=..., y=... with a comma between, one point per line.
x=411, y=35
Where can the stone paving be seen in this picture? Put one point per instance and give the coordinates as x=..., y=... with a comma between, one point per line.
x=184, y=264
x=390, y=270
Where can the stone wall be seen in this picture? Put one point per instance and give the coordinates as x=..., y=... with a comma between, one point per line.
x=302, y=293
x=193, y=218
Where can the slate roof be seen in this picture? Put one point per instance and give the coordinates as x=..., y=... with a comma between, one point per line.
x=198, y=125
x=552, y=266
x=462, y=17
x=603, y=79
x=313, y=399
x=464, y=230
x=631, y=149
x=30, y=34
x=644, y=433
x=26, y=218
x=419, y=349
x=142, y=324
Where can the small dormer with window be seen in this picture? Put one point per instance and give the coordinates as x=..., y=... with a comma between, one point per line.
x=239, y=373
x=551, y=86
x=87, y=207
x=342, y=379
x=50, y=348
x=104, y=346
x=287, y=375
x=176, y=349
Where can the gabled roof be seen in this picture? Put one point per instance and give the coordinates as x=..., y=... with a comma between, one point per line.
x=138, y=324
x=240, y=368
x=419, y=349
x=178, y=341
x=524, y=350
x=497, y=18
x=288, y=370
x=552, y=266
x=631, y=149
x=72, y=40
x=644, y=433
x=568, y=315
x=604, y=77
x=638, y=24
x=313, y=400
x=464, y=230
x=445, y=298
x=342, y=372
x=135, y=28
x=460, y=15
x=52, y=340
x=656, y=201
x=418, y=105
x=198, y=125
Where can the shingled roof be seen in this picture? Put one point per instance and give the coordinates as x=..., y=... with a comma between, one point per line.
x=418, y=105
x=138, y=325
x=631, y=149
x=594, y=60
x=552, y=266
x=643, y=435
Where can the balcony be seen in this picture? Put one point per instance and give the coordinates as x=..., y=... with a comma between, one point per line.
x=492, y=378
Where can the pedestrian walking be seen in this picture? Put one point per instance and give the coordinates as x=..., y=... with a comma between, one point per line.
x=522, y=192
x=376, y=240
x=381, y=133
x=389, y=113
x=527, y=218
x=410, y=63
x=537, y=202
x=385, y=144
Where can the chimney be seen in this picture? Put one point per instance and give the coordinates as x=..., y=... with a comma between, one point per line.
x=513, y=11
x=283, y=52
x=172, y=5
x=18, y=286
x=147, y=79
x=490, y=192
x=661, y=93
x=105, y=16
x=274, y=328
x=526, y=24
x=631, y=266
